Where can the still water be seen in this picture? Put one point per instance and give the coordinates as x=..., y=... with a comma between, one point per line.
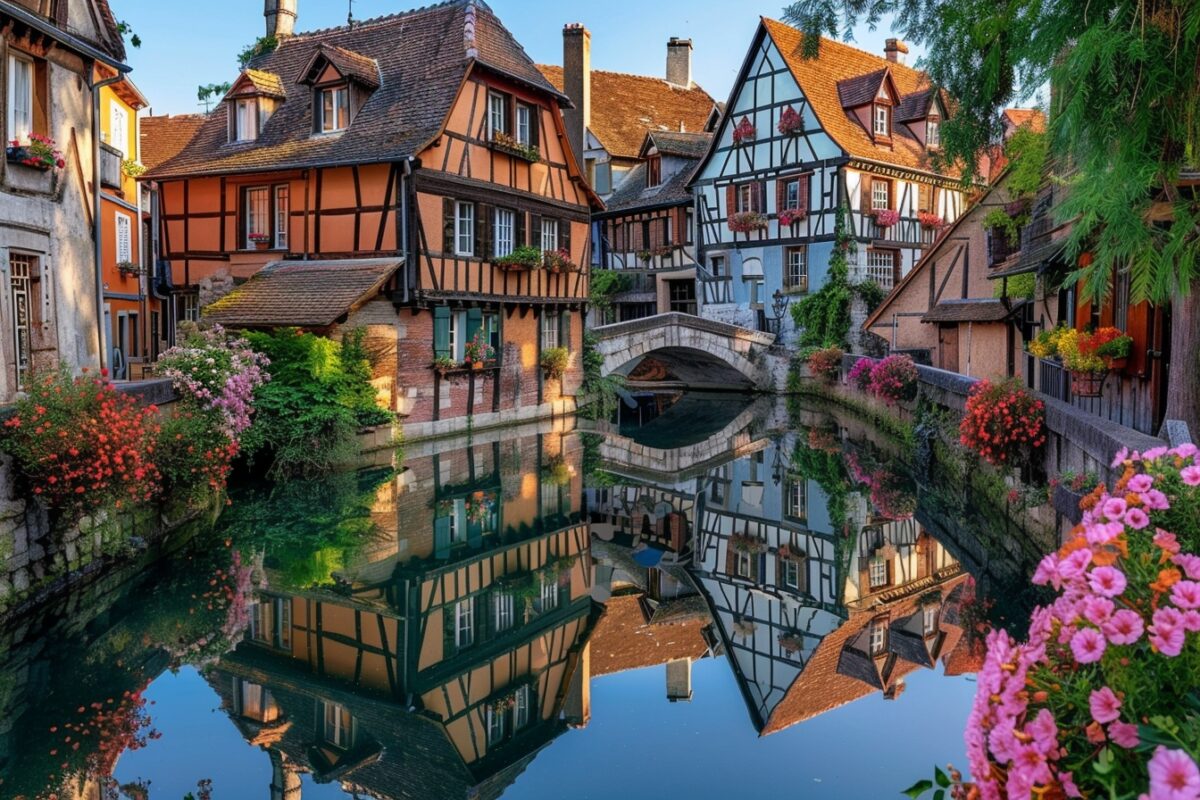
x=710, y=597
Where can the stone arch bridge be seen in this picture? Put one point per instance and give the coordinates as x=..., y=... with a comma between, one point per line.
x=683, y=349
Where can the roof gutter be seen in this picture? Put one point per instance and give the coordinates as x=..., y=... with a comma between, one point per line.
x=58, y=34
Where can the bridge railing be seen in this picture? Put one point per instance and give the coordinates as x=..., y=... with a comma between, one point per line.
x=685, y=321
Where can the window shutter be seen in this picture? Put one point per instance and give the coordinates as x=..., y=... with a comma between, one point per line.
x=510, y=114
x=441, y=332
x=865, y=194
x=666, y=228
x=564, y=236
x=760, y=196
x=474, y=323
x=519, y=228
x=448, y=225
x=730, y=200
x=895, y=267
x=448, y=617
x=483, y=230
x=924, y=193
x=780, y=194
x=535, y=230
x=805, y=180
x=535, y=125
x=564, y=329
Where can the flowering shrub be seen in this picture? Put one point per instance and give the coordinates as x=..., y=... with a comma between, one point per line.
x=1100, y=701
x=1045, y=345
x=1003, y=422
x=891, y=496
x=80, y=444
x=790, y=122
x=194, y=455
x=478, y=350
x=885, y=217
x=41, y=152
x=554, y=361
x=558, y=261
x=747, y=221
x=790, y=216
x=930, y=220
x=744, y=131
x=824, y=363
x=218, y=372
x=860, y=374
x=894, y=379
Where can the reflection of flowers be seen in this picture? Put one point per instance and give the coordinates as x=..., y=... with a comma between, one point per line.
x=786, y=553
x=745, y=543
x=479, y=507
x=890, y=498
x=791, y=641
x=823, y=440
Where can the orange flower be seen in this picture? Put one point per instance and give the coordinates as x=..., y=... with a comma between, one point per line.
x=1166, y=579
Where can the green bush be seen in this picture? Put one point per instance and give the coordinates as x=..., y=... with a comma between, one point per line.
x=319, y=396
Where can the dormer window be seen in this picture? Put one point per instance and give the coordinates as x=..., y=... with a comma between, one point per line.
x=653, y=171
x=883, y=120
x=334, y=109
x=497, y=113
x=933, y=133
x=252, y=100
x=245, y=125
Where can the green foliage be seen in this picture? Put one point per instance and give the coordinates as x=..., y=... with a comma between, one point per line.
x=320, y=394
x=823, y=317
x=212, y=93
x=1026, y=151
x=554, y=361
x=260, y=47
x=600, y=393
x=1017, y=286
x=603, y=285
x=526, y=256
x=999, y=220
x=871, y=293
x=126, y=30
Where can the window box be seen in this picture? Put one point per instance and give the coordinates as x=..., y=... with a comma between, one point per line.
x=747, y=222
x=930, y=221
x=744, y=132
x=26, y=156
x=128, y=268
x=885, y=217
x=790, y=122
x=790, y=216
x=524, y=259
x=505, y=143
x=558, y=261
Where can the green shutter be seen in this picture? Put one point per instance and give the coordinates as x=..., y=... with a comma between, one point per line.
x=448, y=225
x=535, y=230
x=483, y=231
x=564, y=329
x=519, y=228
x=441, y=331
x=474, y=323
x=448, y=624
x=564, y=236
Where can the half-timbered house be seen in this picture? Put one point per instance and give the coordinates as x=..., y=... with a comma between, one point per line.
x=426, y=137
x=800, y=139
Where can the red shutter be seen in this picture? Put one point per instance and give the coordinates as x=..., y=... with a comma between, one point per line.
x=761, y=206
x=1138, y=322
x=805, y=179
x=780, y=193
x=864, y=202
x=730, y=200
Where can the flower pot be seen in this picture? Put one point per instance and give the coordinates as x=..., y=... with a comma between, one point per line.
x=262, y=245
x=1088, y=384
x=476, y=365
x=20, y=155
x=1117, y=364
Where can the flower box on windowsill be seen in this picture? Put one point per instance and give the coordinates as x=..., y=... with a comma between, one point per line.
x=747, y=222
x=558, y=261
x=790, y=216
x=128, y=268
x=504, y=143
x=885, y=217
x=21, y=156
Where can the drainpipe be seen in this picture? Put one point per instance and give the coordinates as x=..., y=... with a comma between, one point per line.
x=97, y=230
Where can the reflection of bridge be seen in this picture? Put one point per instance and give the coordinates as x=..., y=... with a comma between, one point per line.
x=695, y=352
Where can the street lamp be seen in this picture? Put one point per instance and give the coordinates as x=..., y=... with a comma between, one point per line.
x=779, y=304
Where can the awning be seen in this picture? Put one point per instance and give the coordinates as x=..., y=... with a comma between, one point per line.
x=984, y=310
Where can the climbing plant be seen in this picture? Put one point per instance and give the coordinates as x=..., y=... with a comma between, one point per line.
x=823, y=317
x=600, y=393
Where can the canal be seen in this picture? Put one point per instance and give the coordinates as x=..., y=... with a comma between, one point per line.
x=709, y=597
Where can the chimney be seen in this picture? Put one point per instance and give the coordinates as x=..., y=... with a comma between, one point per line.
x=281, y=17
x=679, y=62
x=895, y=50
x=679, y=680
x=577, y=84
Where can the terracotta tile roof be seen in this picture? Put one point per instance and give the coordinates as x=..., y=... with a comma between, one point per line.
x=113, y=42
x=1032, y=117
x=625, y=107
x=820, y=78
x=163, y=137
x=683, y=145
x=623, y=638
x=306, y=294
x=422, y=59
x=969, y=310
x=350, y=64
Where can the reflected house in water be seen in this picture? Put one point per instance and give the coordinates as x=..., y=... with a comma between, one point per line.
x=441, y=668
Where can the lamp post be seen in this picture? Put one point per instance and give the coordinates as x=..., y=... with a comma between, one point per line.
x=779, y=304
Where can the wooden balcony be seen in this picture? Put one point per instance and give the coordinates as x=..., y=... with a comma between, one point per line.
x=907, y=232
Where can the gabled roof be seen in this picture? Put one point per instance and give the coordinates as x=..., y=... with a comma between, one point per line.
x=259, y=82
x=983, y=309
x=682, y=145
x=625, y=639
x=1032, y=117
x=423, y=57
x=820, y=77
x=915, y=106
x=348, y=63
x=163, y=137
x=625, y=107
x=862, y=89
x=304, y=294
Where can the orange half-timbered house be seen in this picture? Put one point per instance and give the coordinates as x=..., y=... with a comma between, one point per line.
x=426, y=138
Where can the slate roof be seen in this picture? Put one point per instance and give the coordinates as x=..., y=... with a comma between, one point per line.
x=305, y=294
x=914, y=106
x=860, y=90
x=350, y=64
x=969, y=310
x=682, y=145
x=821, y=79
x=625, y=107
x=422, y=56
x=267, y=83
x=633, y=193
x=163, y=137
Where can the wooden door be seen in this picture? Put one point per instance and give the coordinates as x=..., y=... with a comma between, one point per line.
x=948, y=347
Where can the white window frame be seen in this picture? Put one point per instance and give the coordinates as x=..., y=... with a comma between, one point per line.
x=549, y=233
x=495, y=726
x=524, y=131
x=454, y=348
x=877, y=572
x=550, y=324
x=497, y=118
x=933, y=133
x=742, y=564
x=521, y=707
x=798, y=499
x=881, y=194
x=23, y=298
x=280, y=211
x=118, y=128
x=744, y=198
x=504, y=615
x=791, y=574
x=791, y=193
x=266, y=225
x=245, y=120
x=549, y=593
x=717, y=266
x=124, y=236
x=882, y=118
x=929, y=619
x=464, y=229
x=464, y=623
x=20, y=127
x=877, y=637
x=882, y=273
x=797, y=267
x=504, y=231
x=340, y=94
x=338, y=726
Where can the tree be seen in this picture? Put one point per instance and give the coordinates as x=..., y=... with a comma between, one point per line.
x=1125, y=117
x=211, y=93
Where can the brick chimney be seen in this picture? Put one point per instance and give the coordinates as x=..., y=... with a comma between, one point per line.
x=679, y=62
x=896, y=51
x=577, y=84
x=281, y=17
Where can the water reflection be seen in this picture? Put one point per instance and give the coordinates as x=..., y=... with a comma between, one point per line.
x=435, y=631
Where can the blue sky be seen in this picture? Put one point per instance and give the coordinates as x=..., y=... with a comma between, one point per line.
x=186, y=44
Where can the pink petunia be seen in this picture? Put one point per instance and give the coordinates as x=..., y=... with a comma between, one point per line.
x=1168, y=641
x=1074, y=565
x=1136, y=519
x=1154, y=453
x=1190, y=475
x=1186, y=450
x=1047, y=572
x=1165, y=540
x=1186, y=594
x=1120, y=457
x=1114, y=508
x=1125, y=627
x=1068, y=784
x=1096, y=610
x=1107, y=581
x=1191, y=620
x=1104, y=705
x=1088, y=645
x=1156, y=500
x=1190, y=564
x=1173, y=776
x=1124, y=734
x=1140, y=483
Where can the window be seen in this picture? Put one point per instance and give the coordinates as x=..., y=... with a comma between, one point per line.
x=118, y=127
x=338, y=729
x=717, y=266
x=502, y=611
x=335, y=109
x=521, y=706
x=878, y=572
x=791, y=573
x=549, y=234
x=495, y=726
x=20, y=97
x=256, y=702
x=271, y=622
x=505, y=222
x=742, y=564
x=23, y=267
x=653, y=171
x=881, y=267
x=797, y=499
x=878, y=637
x=245, y=120
x=602, y=180
x=258, y=214
x=549, y=595
x=464, y=229
x=933, y=133
x=796, y=268
x=497, y=114
x=124, y=237
x=746, y=197
x=929, y=619
x=464, y=623
x=281, y=217
x=881, y=194
x=550, y=325
x=524, y=124
x=683, y=296
x=454, y=343
x=883, y=120
x=189, y=307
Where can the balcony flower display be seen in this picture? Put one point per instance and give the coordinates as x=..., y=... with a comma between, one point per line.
x=860, y=374
x=522, y=259
x=40, y=153
x=745, y=543
x=825, y=363
x=790, y=122
x=744, y=132
x=747, y=221
x=791, y=641
x=507, y=144
x=790, y=216
x=479, y=507
x=557, y=261
x=1045, y=344
x=885, y=217
x=891, y=495
x=1003, y=423
x=930, y=220
x=554, y=362
x=444, y=364
x=894, y=379
x=478, y=351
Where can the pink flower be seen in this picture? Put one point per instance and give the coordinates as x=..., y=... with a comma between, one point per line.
x=1154, y=453
x=1156, y=500
x=1173, y=776
x=1097, y=610
x=1120, y=457
x=1190, y=564
x=1107, y=581
x=1167, y=639
x=1124, y=735
x=1186, y=450
x=1114, y=508
x=1191, y=620
x=1047, y=572
x=1190, y=475
x=1165, y=540
x=1186, y=594
x=1140, y=483
x=1068, y=784
x=1125, y=627
x=1104, y=705
x=1073, y=565
x=1088, y=645
x=1136, y=519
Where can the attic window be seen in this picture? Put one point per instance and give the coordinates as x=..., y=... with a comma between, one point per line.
x=933, y=133
x=653, y=171
x=334, y=109
x=245, y=120
x=883, y=120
